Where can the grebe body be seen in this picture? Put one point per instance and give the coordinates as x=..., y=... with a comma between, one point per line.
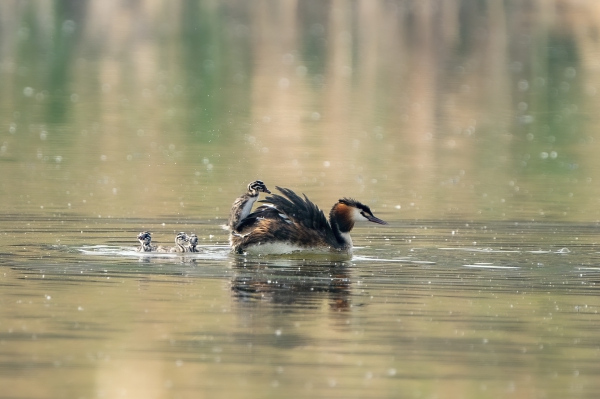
x=289, y=223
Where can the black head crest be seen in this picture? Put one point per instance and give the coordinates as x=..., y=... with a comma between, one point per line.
x=356, y=204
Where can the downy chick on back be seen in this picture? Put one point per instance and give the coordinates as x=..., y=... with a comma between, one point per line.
x=242, y=206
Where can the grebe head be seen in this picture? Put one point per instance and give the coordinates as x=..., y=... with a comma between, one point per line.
x=348, y=211
x=144, y=238
x=181, y=238
x=193, y=239
x=258, y=187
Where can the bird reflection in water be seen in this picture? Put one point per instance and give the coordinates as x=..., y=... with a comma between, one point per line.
x=290, y=282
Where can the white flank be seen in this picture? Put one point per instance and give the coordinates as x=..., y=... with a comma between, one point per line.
x=282, y=248
x=347, y=239
x=274, y=248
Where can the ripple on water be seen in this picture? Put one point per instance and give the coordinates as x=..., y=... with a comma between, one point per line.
x=487, y=250
x=490, y=266
x=211, y=252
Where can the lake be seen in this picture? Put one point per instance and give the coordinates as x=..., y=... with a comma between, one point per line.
x=470, y=127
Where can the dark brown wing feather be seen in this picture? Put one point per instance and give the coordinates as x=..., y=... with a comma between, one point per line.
x=302, y=223
x=262, y=212
x=301, y=211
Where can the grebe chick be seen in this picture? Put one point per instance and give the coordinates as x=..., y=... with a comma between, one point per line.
x=193, y=242
x=145, y=239
x=243, y=205
x=181, y=240
x=290, y=223
x=181, y=243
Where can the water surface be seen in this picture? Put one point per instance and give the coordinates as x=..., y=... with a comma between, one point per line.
x=469, y=126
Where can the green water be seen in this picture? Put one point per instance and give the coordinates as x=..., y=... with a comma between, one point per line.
x=469, y=126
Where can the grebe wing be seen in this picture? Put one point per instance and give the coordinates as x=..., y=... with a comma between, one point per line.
x=299, y=210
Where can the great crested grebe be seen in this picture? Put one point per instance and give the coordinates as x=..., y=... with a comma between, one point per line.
x=290, y=223
x=243, y=205
x=145, y=239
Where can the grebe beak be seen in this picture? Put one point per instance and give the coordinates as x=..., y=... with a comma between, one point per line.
x=267, y=191
x=373, y=219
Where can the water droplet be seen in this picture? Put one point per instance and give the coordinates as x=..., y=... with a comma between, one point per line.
x=301, y=70
x=287, y=59
x=570, y=73
x=523, y=85
x=68, y=27
x=284, y=83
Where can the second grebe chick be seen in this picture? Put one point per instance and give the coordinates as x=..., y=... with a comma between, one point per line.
x=193, y=242
x=243, y=205
x=290, y=223
x=181, y=243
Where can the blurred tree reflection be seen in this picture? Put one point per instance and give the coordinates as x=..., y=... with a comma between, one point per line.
x=444, y=101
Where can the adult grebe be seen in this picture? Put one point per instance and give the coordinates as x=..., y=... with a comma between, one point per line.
x=243, y=205
x=145, y=239
x=290, y=223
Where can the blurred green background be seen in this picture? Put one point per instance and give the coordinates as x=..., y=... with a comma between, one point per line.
x=436, y=110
